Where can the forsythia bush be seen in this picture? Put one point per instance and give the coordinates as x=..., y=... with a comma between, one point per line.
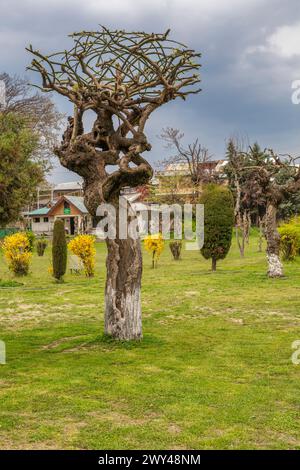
x=17, y=253
x=155, y=245
x=83, y=246
x=290, y=239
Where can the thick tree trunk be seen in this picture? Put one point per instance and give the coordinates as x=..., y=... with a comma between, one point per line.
x=123, y=316
x=273, y=242
x=213, y=264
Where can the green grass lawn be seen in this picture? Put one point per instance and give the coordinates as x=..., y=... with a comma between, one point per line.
x=214, y=369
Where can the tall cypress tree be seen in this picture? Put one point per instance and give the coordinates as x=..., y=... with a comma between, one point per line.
x=59, y=250
x=218, y=222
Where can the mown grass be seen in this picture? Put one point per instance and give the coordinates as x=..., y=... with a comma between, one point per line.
x=214, y=369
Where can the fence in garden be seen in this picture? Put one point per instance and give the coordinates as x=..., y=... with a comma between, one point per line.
x=8, y=231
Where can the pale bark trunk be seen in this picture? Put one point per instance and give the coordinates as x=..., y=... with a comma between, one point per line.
x=247, y=226
x=123, y=316
x=261, y=233
x=238, y=218
x=273, y=242
x=241, y=244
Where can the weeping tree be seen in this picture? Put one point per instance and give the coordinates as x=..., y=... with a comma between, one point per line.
x=123, y=77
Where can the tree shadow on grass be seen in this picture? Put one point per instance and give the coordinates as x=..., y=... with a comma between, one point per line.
x=103, y=343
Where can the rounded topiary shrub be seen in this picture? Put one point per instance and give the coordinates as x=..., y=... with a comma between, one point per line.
x=59, y=250
x=218, y=222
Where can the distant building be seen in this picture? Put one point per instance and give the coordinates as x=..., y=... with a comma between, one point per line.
x=65, y=200
x=175, y=180
x=52, y=192
x=73, y=188
x=69, y=208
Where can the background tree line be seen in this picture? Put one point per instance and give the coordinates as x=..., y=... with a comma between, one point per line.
x=29, y=125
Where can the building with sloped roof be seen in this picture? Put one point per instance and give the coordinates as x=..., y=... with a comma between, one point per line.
x=70, y=209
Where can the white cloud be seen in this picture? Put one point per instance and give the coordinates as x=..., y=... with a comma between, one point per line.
x=284, y=42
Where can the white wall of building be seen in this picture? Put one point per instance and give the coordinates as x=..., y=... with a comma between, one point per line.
x=42, y=226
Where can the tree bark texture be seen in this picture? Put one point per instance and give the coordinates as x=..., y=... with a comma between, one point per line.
x=123, y=316
x=124, y=260
x=273, y=242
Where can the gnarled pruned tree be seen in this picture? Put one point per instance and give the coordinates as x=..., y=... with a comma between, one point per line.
x=265, y=181
x=123, y=77
x=274, y=177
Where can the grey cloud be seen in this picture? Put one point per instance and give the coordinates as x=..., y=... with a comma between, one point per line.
x=243, y=92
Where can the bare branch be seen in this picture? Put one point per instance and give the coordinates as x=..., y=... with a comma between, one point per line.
x=123, y=77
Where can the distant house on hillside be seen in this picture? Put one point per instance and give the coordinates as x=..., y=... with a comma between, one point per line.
x=69, y=208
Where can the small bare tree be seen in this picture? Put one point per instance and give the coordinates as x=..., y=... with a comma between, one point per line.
x=237, y=159
x=195, y=156
x=123, y=77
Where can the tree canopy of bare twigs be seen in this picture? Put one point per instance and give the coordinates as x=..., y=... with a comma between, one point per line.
x=123, y=77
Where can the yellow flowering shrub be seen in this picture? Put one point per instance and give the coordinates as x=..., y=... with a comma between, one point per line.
x=83, y=246
x=289, y=239
x=155, y=245
x=16, y=249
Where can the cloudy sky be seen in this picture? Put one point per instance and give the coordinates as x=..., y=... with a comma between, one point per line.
x=250, y=57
